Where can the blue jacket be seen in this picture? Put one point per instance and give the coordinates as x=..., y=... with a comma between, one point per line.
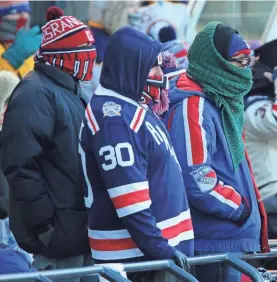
x=135, y=192
x=12, y=261
x=223, y=202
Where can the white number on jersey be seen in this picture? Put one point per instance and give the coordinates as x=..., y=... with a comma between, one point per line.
x=113, y=156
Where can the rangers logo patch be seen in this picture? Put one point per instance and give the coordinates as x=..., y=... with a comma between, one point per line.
x=111, y=109
x=205, y=178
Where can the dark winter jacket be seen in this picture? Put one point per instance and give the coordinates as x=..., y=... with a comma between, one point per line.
x=3, y=196
x=39, y=148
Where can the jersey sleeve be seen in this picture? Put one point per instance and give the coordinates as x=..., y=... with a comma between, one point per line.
x=121, y=155
x=194, y=146
x=261, y=120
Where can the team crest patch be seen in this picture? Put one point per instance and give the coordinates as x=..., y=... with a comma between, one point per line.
x=205, y=178
x=111, y=109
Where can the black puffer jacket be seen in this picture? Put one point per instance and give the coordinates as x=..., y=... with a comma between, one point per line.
x=39, y=147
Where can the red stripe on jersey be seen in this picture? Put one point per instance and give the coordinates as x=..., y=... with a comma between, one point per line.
x=138, y=119
x=175, y=230
x=196, y=140
x=274, y=107
x=228, y=193
x=112, y=244
x=131, y=198
x=91, y=121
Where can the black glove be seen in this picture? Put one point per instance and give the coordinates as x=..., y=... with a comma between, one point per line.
x=266, y=275
x=181, y=260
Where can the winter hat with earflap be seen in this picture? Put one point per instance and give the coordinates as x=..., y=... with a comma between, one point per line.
x=67, y=44
x=226, y=84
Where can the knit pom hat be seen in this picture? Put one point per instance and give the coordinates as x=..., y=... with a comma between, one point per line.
x=64, y=32
x=67, y=44
x=14, y=7
x=238, y=46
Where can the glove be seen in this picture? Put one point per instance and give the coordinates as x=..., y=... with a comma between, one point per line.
x=244, y=215
x=181, y=260
x=26, y=44
x=266, y=275
x=272, y=78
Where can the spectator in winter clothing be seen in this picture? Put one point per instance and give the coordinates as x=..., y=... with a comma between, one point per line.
x=129, y=164
x=18, y=43
x=166, y=34
x=205, y=122
x=40, y=143
x=106, y=17
x=261, y=130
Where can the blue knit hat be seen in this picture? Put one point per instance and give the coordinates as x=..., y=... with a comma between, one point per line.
x=238, y=46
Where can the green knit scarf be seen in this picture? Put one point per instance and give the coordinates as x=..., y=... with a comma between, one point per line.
x=224, y=83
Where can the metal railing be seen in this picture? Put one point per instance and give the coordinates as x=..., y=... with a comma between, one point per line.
x=106, y=272
x=167, y=265
x=110, y=271
x=272, y=243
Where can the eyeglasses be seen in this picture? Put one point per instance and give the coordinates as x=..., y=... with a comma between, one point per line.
x=245, y=61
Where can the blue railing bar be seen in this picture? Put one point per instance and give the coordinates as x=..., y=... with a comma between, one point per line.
x=237, y=263
x=271, y=254
x=168, y=265
x=245, y=268
x=272, y=243
x=200, y=260
x=109, y=274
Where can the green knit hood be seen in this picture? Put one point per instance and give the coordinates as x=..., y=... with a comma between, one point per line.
x=223, y=83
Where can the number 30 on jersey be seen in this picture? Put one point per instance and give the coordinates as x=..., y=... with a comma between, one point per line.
x=113, y=156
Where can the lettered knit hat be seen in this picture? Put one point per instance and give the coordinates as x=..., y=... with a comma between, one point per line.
x=67, y=44
x=64, y=31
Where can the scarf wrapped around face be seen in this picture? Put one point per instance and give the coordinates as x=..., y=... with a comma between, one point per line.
x=223, y=83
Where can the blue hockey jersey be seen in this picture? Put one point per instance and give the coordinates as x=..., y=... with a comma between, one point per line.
x=135, y=194
x=218, y=195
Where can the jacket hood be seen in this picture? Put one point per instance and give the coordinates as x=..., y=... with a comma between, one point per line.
x=128, y=59
x=181, y=87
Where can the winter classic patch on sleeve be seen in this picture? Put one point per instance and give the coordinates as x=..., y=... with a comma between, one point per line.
x=205, y=178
